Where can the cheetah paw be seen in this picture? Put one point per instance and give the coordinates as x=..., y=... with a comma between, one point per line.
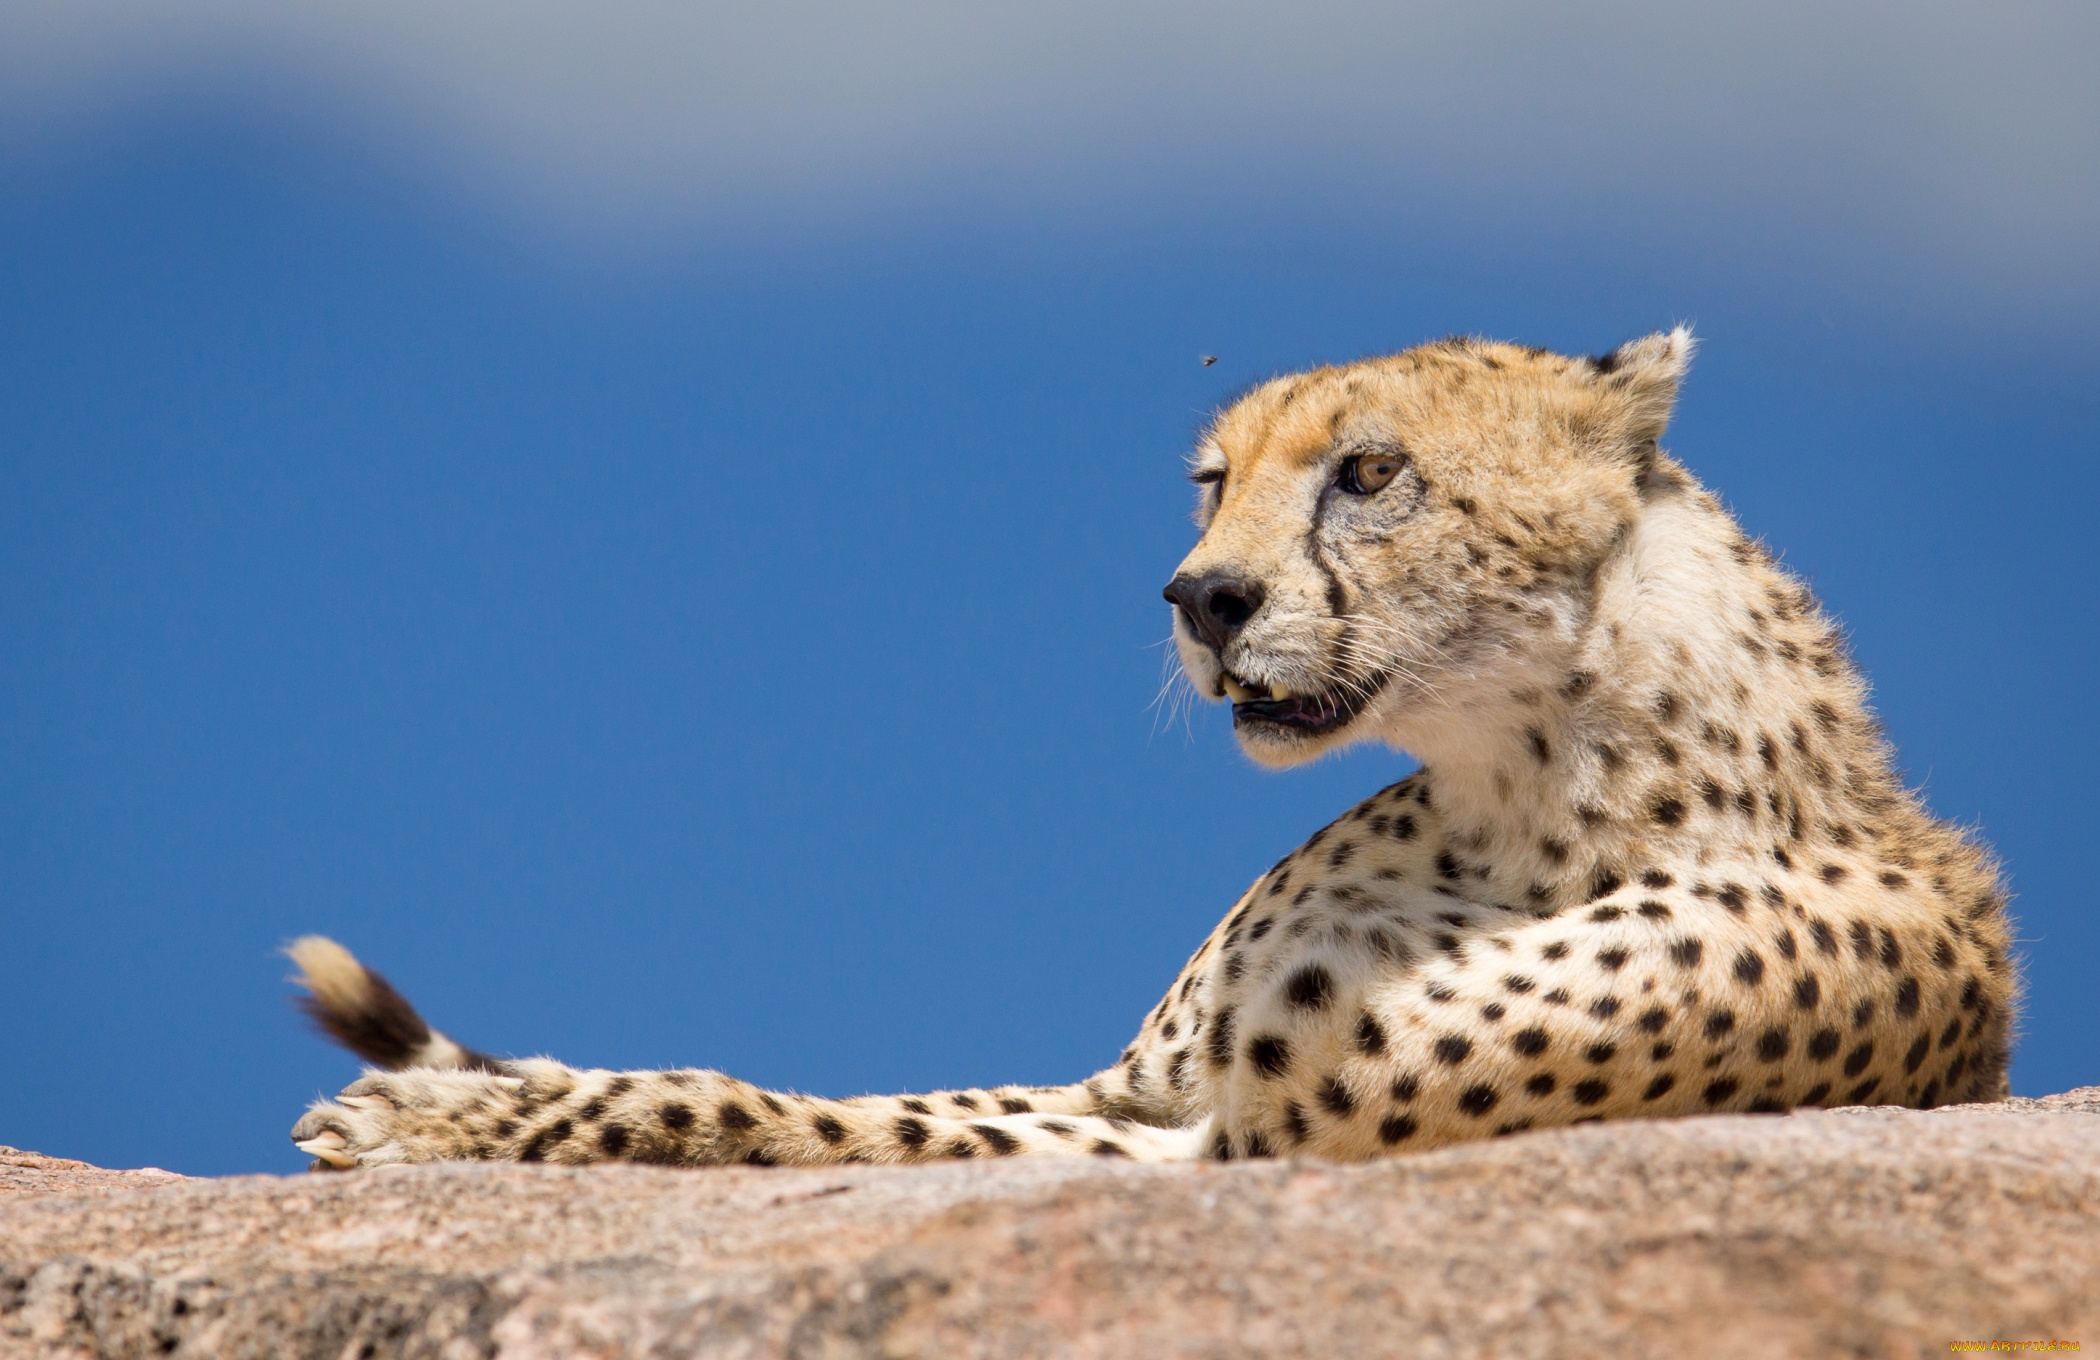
x=396, y=1118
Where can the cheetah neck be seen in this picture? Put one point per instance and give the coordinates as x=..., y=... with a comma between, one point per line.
x=1687, y=708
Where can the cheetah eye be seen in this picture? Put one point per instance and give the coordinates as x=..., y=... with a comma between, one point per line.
x=1368, y=472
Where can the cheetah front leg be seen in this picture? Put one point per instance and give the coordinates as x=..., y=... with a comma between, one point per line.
x=539, y=1110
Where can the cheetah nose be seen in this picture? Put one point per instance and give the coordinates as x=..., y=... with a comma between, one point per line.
x=1216, y=604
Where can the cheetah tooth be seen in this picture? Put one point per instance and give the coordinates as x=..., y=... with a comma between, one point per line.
x=1278, y=693
x=1239, y=692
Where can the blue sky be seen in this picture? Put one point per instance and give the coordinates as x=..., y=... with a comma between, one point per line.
x=650, y=530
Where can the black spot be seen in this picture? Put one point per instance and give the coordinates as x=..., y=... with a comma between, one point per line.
x=1653, y=1019
x=1556, y=850
x=1405, y=1088
x=1604, y=914
x=1294, y=1123
x=1916, y=1057
x=1930, y=1096
x=1654, y=910
x=675, y=1116
x=1660, y=1087
x=1807, y=991
x=1370, y=1035
x=1970, y=991
x=1856, y=1061
x=1452, y=1049
x=1261, y=928
x=1891, y=955
x=1477, y=1100
x=1590, y=1092
x=1718, y=1091
x=1749, y=968
x=1530, y=1042
x=1539, y=749
x=1601, y=1053
x=1492, y=1011
x=1719, y=1023
x=506, y=1127
x=613, y=1138
x=1447, y=865
x=1336, y=1098
x=1557, y=997
x=1784, y=941
x=1220, y=1042
x=915, y=1105
x=1862, y=1091
x=1310, y=988
x=1862, y=1013
x=1832, y=873
x=766, y=1099
x=829, y=1129
x=1951, y=1033
x=969, y=1102
x=1605, y=1007
x=1103, y=1148
x=1016, y=1105
x=1816, y=1094
x=1396, y=1128
x=1686, y=953
x=734, y=1116
x=1557, y=950
x=1668, y=811
x=1767, y=1105
x=1612, y=960
x=1733, y=897
x=1661, y=1052
x=1907, y=997
x=1823, y=1045
x=1518, y=983
x=1604, y=884
x=911, y=1132
x=1270, y=1055
x=1943, y=952
x=1403, y=828
x=1826, y=942
x=1772, y=1045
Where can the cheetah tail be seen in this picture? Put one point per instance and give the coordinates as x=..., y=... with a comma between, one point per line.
x=360, y=1010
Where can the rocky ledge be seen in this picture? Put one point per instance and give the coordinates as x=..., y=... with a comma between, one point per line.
x=1841, y=1233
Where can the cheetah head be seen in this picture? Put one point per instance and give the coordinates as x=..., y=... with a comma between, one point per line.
x=1399, y=541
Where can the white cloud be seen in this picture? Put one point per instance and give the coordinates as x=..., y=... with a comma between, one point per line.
x=1931, y=126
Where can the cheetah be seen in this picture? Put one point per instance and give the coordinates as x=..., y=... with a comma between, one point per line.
x=1656, y=860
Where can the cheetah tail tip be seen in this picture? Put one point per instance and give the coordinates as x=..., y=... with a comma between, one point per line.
x=360, y=1010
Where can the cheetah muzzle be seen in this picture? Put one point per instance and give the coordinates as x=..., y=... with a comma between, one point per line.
x=1657, y=861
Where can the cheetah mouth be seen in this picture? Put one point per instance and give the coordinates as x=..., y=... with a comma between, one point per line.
x=1302, y=714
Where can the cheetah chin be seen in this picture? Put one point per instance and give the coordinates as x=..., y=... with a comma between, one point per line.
x=1658, y=859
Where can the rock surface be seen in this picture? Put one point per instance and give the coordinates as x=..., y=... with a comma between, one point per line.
x=1855, y=1233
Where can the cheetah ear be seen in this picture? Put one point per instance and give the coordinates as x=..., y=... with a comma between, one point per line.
x=1638, y=383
